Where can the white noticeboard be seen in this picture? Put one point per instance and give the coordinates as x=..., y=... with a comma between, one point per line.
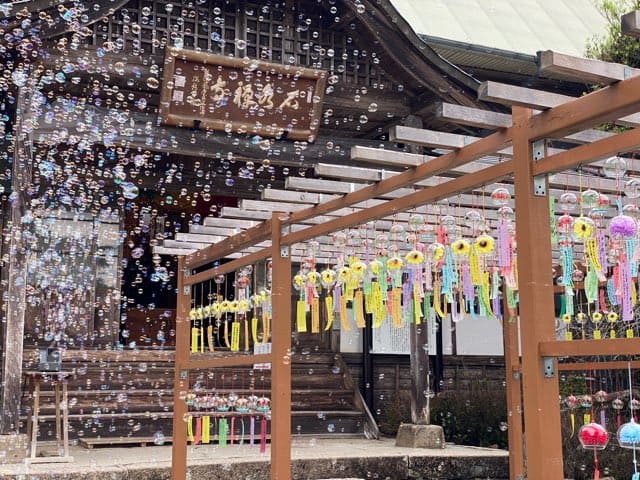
x=260, y=349
x=395, y=341
x=479, y=336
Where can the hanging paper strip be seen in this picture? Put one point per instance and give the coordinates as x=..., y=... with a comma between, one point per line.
x=263, y=435
x=246, y=333
x=232, y=431
x=591, y=285
x=266, y=327
x=436, y=300
x=344, y=320
x=378, y=305
x=241, y=442
x=315, y=315
x=254, y=329
x=633, y=263
x=198, y=435
x=467, y=285
x=301, y=316
x=552, y=220
x=417, y=311
x=358, y=308
x=484, y=295
x=568, y=297
x=602, y=248
x=328, y=303
x=396, y=307
x=504, y=247
x=634, y=293
x=226, y=335
x=474, y=268
x=511, y=303
x=252, y=430
x=566, y=253
x=210, y=337
x=447, y=272
x=235, y=336
x=610, y=293
x=190, y=428
x=206, y=432
x=625, y=278
x=194, y=340
x=223, y=429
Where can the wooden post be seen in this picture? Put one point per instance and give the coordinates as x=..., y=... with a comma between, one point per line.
x=541, y=405
x=281, y=355
x=181, y=378
x=513, y=376
x=13, y=330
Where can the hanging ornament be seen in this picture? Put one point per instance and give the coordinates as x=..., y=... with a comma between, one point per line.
x=500, y=197
x=416, y=222
x=484, y=244
x=632, y=188
x=460, y=247
x=617, y=405
x=601, y=397
x=623, y=226
x=614, y=167
x=572, y=403
x=593, y=436
x=589, y=199
x=583, y=229
x=568, y=202
x=473, y=219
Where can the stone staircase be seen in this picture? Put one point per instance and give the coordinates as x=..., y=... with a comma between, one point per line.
x=122, y=396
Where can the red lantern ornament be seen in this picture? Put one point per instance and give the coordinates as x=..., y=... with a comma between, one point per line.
x=593, y=436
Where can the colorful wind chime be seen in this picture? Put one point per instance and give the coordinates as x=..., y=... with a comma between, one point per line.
x=232, y=323
x=229, y=412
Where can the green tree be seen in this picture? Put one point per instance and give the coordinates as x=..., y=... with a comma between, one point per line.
x=613, y=46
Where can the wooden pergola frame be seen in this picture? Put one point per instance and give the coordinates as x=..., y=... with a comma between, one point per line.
x=531, y=381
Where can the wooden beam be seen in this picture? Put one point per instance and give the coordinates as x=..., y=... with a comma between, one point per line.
x=586, y=366
x=420, y=197
x=381, y=156
x=232, y=244
x=347, y=173
x=486, y=119
x=208, y=361
x=473, y=117
x=623, y=142
x=630, y=24
x=211, y=221
x=585, y=348
x=584, y=69
x=309, y=198
x=601, y=106
x=429, y=138
x=541, y=100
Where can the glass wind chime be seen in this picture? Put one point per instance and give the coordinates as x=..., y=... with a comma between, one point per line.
x=599, y=256
x=224, y=411
x=461, y=270
x=231, y=321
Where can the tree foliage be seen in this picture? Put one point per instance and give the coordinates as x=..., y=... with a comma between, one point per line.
x=613, y=46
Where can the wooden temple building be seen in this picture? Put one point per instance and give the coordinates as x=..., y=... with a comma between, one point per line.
x=107, y=181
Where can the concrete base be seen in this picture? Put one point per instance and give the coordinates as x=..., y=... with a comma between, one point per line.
x=420, y=436
x=13, y=448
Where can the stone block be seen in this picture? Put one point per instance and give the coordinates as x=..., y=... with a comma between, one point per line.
x=420, y=436
x=13, y=448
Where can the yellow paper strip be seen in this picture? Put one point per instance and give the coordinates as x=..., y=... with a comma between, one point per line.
x=246, y=334
x=194, y=340
x=417, y=310
x=396, y=307
x=328, y=303
x=344, y=321
x=315, y=315
x=358, y=307
x=301, y=316
x=235, y=336
x=206, y=425
x=190, y=428
x=210, y=337
x=254, y=329
x=266, y=327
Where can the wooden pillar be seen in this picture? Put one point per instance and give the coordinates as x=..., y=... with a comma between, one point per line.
x=541, y=405
x=13, y=330
x=418, y=334
x=281, y=355
x=513, y=377
x=181, y=379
